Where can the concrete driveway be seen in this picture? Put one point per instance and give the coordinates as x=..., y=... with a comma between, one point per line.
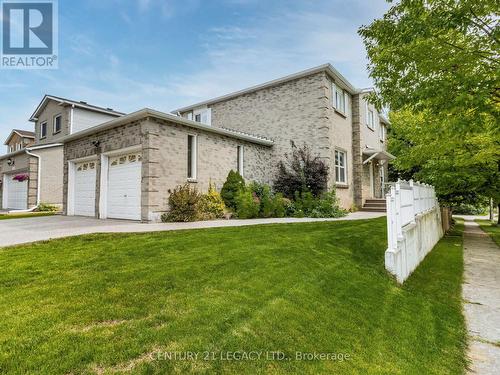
x=19, y=231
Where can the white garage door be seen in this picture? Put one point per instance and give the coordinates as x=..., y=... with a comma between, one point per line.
x=16, y=193
x=124, y=187
x=85, y=184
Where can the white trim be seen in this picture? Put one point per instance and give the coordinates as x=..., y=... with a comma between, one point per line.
x=241, y=162
x=44, y=146
x=103, y=187
x=4, y=192
x=71, y=181
x=71, y=116
x=54, y=124
x=372, y=181
x=344, y=167
x=70, y=210
x=43, y=136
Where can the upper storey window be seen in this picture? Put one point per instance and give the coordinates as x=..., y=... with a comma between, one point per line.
x=340, y=99
x=43, y=129
x=370, y=117
x=203, y=116
x=57, y=124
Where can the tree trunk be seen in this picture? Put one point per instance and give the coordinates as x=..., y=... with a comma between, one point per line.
x=498, y=221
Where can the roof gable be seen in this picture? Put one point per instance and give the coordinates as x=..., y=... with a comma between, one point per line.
x=79, y=104
x=21, y=133
x=327, y=68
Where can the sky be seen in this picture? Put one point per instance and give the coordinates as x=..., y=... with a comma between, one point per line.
x=165, y=54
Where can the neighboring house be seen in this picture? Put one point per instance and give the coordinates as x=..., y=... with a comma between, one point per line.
x=19, y=139
x=125, y=168
x=34, y=173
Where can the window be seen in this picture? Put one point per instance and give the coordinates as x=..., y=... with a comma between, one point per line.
x=43, y=129
x=240, y=160
x=11, y=148
x=340, y=167
x=381, y=132
x=203, y=115
x=370, y=117
x=339, y=98
x=57, y=124
x=191, y=157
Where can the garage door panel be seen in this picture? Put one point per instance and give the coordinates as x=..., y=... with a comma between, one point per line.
x=17, y=193
x=85, y=185
x=124, y=187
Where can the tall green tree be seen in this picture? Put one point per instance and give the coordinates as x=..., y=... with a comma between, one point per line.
x=436, y=64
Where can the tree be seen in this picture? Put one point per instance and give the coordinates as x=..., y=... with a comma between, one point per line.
x=463, y=170
x=301, y=172
x=437, y=55
x=234, y=184
x=436, y=64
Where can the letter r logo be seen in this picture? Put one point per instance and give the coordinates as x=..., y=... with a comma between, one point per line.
x=27, y=28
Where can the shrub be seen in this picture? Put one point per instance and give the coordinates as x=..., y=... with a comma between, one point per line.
x=325, y=206
x=247, y=204
x=184, y=204
x=233, y=185
x=301, y=172
x=46, y=207
x=211, y=204
x=278, y=205
x=263, y=192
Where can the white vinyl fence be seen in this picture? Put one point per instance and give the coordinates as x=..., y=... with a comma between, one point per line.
x=413, y=226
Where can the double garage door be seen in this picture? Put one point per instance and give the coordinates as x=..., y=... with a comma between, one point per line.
x=15, y=193
x=122, y=193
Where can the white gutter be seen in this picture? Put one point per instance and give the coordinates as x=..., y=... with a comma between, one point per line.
x=146, y=112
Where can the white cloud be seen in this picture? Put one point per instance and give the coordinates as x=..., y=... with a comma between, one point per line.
x=236, y=57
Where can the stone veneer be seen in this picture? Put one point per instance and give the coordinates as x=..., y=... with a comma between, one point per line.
x=164, y=159
x=298, y=111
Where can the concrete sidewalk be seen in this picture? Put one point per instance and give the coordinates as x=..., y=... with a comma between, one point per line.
x=19, y=231
x=481, y=293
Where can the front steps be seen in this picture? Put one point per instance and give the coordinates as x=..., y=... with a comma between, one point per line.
x=374, y=205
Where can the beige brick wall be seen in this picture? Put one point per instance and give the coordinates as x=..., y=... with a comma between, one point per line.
x=164, y=151
x=52, y=109
x=300, y=111
x=216, y=156
x=51, y=175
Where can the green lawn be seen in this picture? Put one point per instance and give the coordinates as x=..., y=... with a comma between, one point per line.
x=492, y=229
x=111, y=303
x=25, y=215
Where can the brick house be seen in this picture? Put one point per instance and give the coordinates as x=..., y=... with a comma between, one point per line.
x=32, y=170
x=124, y=168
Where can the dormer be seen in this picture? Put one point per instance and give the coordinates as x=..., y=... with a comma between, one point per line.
x=56, y=117
x=19, y=140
